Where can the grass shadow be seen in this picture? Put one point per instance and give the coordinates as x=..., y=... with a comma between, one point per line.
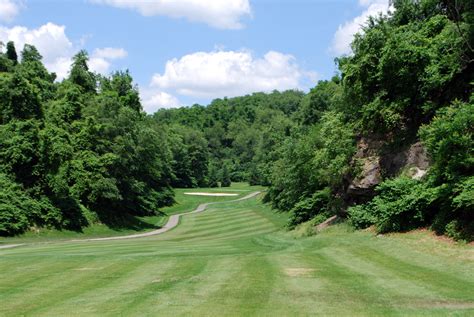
x=126, y=222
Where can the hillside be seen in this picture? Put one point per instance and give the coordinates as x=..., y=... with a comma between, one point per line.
x=387, y=142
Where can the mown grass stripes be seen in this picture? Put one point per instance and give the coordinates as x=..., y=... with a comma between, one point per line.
x=235, y=260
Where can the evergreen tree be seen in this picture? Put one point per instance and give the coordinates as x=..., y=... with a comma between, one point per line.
x=80, y=74
x=11, y=52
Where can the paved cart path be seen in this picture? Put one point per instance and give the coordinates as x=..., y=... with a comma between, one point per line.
x=172, y=222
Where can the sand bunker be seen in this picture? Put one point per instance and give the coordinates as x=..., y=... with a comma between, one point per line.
x=211, y=194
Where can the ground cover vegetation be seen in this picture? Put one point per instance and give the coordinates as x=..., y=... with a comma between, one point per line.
x=82, y=151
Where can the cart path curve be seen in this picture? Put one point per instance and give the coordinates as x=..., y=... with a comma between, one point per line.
x=173, y=221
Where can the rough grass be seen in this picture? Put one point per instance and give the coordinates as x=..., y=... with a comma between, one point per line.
x=235, y=260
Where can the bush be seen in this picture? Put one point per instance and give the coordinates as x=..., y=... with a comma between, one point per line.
x=361, y=217
x=15, y=205
x=225, y=180
x=463, y=195
x=401, y=204
x=452, y=230
x=450, y=142
x=310, y=207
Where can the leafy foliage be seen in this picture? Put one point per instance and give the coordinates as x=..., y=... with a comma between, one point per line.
x=242, y=134
x=405, y=66
x=73, y=149
x=83, y=149
x=409, y=69
x=400, y=204
x=313, y=166
x=449, y=138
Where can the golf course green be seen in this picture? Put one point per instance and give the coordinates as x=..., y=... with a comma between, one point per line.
x=236, y=259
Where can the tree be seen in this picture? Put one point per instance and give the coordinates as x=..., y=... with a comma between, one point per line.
x=71, y=155
x=225, y=179
x=405, y=66
x=19, y=99
x=80, y=74
x=121, y=83
x=213, y=179
x=5, y=64
x=30, y=54
x=326, y=96
x=11, y=52
x=32, y=68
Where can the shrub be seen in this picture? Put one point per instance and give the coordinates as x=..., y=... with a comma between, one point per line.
x=450, y=142
x=401, y=204
x=310, y=207
x=15, y=205
x=361, y=217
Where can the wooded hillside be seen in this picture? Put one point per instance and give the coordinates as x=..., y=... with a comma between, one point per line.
x=387, y=142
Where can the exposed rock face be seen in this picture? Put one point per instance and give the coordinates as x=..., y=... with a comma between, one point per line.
x=417, y=161
x=412, y=157
x=376, y=163
x=418, y=156
x=367, y=159
x=369, y=177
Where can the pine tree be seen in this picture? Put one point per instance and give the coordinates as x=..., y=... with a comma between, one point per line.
x=11, y=52
x=80, y=74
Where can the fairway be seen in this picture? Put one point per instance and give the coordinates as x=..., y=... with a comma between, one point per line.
x=234, y=259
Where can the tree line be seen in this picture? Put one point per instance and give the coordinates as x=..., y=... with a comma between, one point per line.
x=79, y=151
x=82, y=150
x=408, y=80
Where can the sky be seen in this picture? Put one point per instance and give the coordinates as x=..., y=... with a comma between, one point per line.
x=182, y=52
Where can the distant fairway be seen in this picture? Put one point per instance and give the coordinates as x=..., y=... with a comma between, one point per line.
x=235, y=260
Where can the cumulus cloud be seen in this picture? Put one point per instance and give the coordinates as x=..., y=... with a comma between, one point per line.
x=50, y=40
x=223, y=14
x=9, y=9
x=57, y=49
x=100, y=60
x=231, y=73
x=110, y=53
x=153, y=100
x=341, y=43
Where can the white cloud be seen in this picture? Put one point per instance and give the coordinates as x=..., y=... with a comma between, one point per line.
x=231, y=73
x=50, y=40
x=223, y=14
x=344, y=35
x=153, y=100
x=60, y=66
x=110, y=53
x=100, y=60
x=57, y=49
x=9, y=9
x=99, y=65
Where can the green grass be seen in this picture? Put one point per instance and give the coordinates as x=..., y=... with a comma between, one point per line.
x=185, y=203
x=131, y=224
x=235, y=260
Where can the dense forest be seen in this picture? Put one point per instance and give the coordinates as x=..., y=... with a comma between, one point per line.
x=387, y=142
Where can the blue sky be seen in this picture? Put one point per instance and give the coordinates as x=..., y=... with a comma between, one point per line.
x=191, y=51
